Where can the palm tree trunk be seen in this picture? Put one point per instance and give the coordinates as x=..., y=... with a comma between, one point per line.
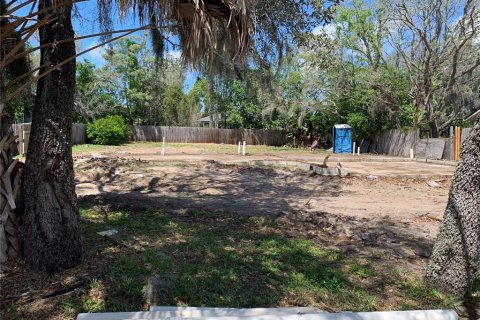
x=10, y=241
x=52, y=238
x=10, y=173
x=456, y=255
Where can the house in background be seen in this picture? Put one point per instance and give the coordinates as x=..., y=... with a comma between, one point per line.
x=205, y=122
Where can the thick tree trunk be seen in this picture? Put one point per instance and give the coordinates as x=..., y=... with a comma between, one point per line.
x=52, y=238
x=456, y=255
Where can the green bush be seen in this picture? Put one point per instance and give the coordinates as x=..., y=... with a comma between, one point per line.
x=111, y=130
x=362, y=125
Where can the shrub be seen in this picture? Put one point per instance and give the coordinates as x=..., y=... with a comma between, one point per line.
x=111, y=130
x=362, y=125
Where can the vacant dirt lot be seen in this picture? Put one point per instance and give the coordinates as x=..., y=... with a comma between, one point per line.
x=385, y=204
x=362, y=165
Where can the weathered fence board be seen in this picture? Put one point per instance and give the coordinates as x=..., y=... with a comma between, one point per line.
x=208, y=135
x=22, y=130
x=394, y=142
x=79, y=133
x=432, y=148
x=448, y=151
x=398, y=143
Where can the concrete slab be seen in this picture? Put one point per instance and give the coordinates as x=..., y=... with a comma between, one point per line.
x=384, y=315
x=325, y=171
x=304, y=166
x=343, y=172
x=222, y=312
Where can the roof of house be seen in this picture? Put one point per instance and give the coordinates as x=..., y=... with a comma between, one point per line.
x=204, y=119
x=474, y=116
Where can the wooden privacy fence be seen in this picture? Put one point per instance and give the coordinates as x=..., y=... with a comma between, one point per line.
x=172, y=134
x=390, y=142
x=398, y=143
x=79, y=133
x=22, y=130
x=459, y=137
x=209, y=135
x=394, y=142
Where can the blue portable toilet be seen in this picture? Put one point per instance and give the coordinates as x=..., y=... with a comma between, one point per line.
x=342, y=138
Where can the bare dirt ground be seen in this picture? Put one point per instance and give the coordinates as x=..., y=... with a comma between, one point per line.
x=362, y=165
x=395, y=211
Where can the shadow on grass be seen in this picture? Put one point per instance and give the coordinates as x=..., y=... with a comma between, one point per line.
x=214, y=259
x=201, y=258
x=205, y=259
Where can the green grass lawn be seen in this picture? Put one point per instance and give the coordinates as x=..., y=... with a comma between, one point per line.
x=91, y=148
x=206, y=147
x=221, y=260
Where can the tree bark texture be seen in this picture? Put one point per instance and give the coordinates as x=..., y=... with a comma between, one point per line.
x=51, y=229
x=456, y=255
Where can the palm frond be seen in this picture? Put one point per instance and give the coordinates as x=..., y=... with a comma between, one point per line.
x=197, y=23
x=9, y=42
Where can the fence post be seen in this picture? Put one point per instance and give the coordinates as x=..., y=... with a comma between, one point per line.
x=163, y=146
x=458, y=143
x=26, y=139
x=452, y=144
